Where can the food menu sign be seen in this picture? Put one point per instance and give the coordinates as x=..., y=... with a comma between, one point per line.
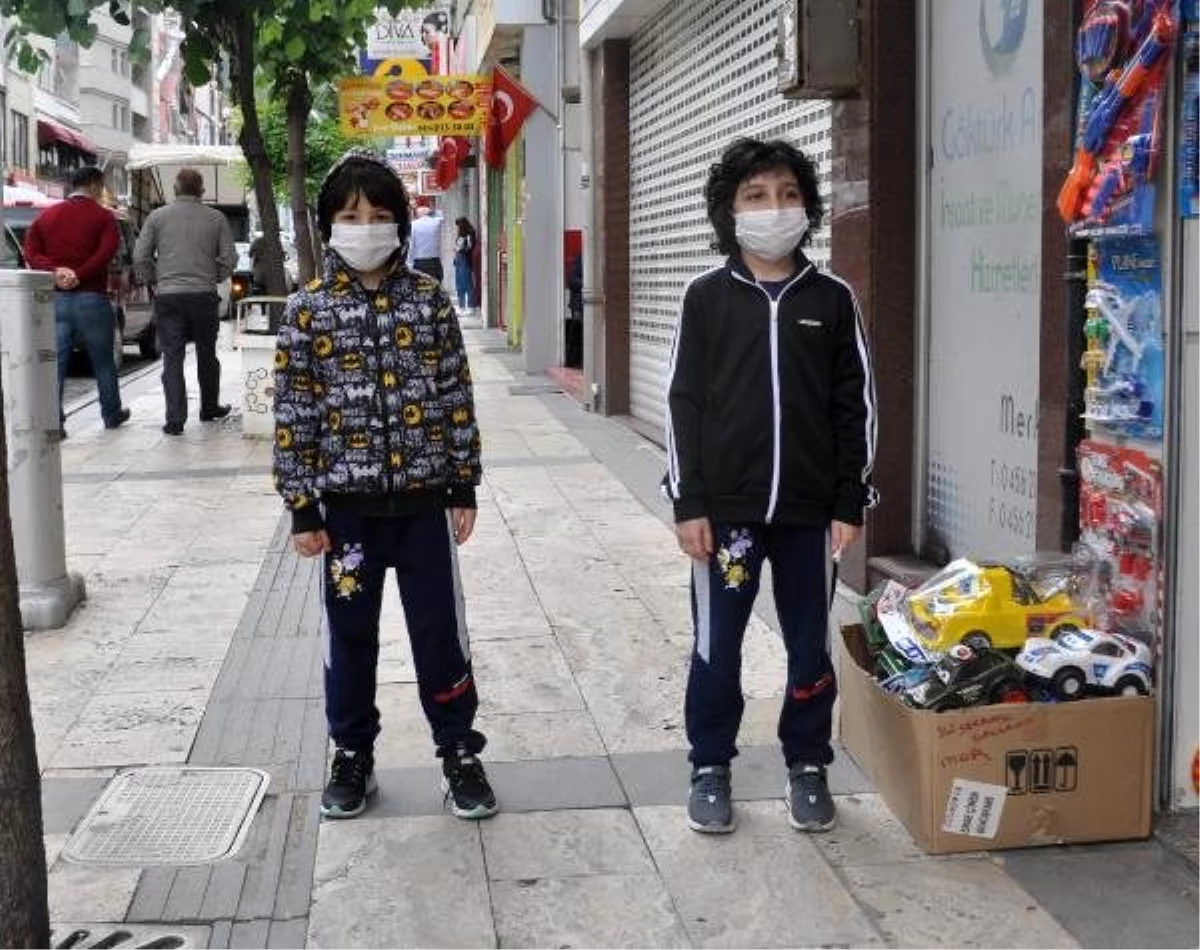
x=375, y=106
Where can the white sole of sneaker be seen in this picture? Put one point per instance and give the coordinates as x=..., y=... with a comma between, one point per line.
x=479, y=811
x=712, y=829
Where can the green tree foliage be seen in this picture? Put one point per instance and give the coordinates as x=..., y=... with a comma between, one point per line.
x=324, y=145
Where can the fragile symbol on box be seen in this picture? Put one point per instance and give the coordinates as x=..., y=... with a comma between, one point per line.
x=1038, y=771
x=974, y=808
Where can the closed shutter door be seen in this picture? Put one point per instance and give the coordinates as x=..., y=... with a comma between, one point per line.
x=701, y=74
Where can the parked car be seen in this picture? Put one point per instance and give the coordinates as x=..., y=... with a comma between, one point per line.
x=990, y=604
x=1073, y=661
x=131, y=299
x=968, y=677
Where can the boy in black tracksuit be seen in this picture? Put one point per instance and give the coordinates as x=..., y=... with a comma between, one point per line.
x=770, y=438
x=377, y=458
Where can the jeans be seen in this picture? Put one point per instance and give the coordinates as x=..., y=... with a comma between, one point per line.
x=723, y=592
x=462, y=280
x=183, y=317
x=90, y=316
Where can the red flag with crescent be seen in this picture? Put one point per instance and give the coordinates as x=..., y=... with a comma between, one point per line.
x=451, y=153
x=512, y=104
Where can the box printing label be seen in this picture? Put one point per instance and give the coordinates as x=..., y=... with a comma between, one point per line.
x=974, y=808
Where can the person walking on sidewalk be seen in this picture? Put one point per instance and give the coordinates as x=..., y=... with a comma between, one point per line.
x=425, y=246
x=186, y=250
x=377, y=458
x=77, y=240
x=771, y=437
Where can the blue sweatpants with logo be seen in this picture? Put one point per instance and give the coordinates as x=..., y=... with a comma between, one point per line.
x=420, y=549
x=723, y=592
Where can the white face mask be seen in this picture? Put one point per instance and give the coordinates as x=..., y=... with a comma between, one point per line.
x=365, y=247
x=772, y=234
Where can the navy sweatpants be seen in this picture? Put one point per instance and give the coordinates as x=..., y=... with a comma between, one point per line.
x=723, y=592
x=421, y=550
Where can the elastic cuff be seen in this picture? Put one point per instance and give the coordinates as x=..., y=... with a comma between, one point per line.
x=307, y=519
x=461, y=496
x=687, y=509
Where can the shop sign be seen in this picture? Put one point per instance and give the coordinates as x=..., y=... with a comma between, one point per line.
x=380, y=106
x=984, y=275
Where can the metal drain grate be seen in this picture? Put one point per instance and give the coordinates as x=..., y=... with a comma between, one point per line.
x=180, y=815
x=126, y=936
x=533, y=389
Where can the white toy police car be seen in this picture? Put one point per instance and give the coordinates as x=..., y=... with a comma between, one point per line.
x=1076, y=659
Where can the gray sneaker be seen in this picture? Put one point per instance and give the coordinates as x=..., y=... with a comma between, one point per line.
x=810, y=806
x=710, y=803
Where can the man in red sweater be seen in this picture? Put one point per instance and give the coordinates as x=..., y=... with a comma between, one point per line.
x=77, y=240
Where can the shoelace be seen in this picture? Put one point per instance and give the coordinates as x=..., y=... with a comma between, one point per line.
x=811, y=784
x=466, y=775
x=349, y=770
x=709, y=784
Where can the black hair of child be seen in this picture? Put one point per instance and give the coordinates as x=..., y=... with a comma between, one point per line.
x=743, y=159
x=368, y=177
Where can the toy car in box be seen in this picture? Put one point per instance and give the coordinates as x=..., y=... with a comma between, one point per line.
x=1072, y=662
x=992, y=604
x=968, y=677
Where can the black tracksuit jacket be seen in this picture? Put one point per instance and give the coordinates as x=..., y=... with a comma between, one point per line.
x=770, y=403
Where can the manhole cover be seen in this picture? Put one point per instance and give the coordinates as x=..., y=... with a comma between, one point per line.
x=177, y=815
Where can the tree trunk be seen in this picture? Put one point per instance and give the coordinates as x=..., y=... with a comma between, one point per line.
x=24, y=916
x=251, y=140
x=299, y=102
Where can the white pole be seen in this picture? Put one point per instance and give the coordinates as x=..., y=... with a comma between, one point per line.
x=29, y=368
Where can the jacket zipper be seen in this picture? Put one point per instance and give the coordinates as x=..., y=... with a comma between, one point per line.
x=776, y=404
x=380, y=397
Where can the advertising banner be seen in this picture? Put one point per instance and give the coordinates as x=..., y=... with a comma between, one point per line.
x=379, y=107
x=984, y=275
x=419, y=35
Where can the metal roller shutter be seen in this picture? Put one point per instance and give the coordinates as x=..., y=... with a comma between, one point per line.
x=701, y=74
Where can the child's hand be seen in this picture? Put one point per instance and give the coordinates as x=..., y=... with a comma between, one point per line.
x=311, y=543
x=695, y=538
x=841, y=536
x=462, y=522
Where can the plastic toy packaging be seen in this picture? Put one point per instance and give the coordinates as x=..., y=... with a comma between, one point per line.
x=1123, y=360
x=983, y=604
x=1189, y=124
x=1120, y=516
x=1123, y=51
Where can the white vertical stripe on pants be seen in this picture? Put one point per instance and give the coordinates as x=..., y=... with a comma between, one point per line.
x=700, y=587
x=460, y=601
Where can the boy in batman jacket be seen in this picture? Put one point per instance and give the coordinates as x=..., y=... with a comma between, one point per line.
x=377, y=458
x=770, y=434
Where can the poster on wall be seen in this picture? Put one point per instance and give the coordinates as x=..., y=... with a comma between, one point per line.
x=984, y=275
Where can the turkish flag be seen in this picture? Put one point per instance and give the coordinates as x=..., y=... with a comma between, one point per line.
x=511, y=105
x=451, y=152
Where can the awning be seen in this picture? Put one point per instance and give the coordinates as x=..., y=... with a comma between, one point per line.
x=50, y=131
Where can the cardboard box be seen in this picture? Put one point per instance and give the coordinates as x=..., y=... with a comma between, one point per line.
x=1001, y=776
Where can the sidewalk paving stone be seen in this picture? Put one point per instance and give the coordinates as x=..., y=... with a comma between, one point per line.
x=577, y=604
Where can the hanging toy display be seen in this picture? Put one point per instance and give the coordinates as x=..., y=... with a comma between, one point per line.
x=1124, y=359
x=1123, y=51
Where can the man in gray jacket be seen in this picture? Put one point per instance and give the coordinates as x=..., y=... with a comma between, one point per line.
x=186, y=250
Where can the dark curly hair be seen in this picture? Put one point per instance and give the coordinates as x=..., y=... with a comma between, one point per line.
x=361, y=171
x=743, y=159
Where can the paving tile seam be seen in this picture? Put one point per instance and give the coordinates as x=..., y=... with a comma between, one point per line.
x=164, y=475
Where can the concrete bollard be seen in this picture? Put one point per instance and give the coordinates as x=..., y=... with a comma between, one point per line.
x=29, y=368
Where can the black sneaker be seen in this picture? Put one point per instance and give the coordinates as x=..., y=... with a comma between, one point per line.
x=710, y=802
x=810, y=806
x=466, y=785
x=351, y=783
